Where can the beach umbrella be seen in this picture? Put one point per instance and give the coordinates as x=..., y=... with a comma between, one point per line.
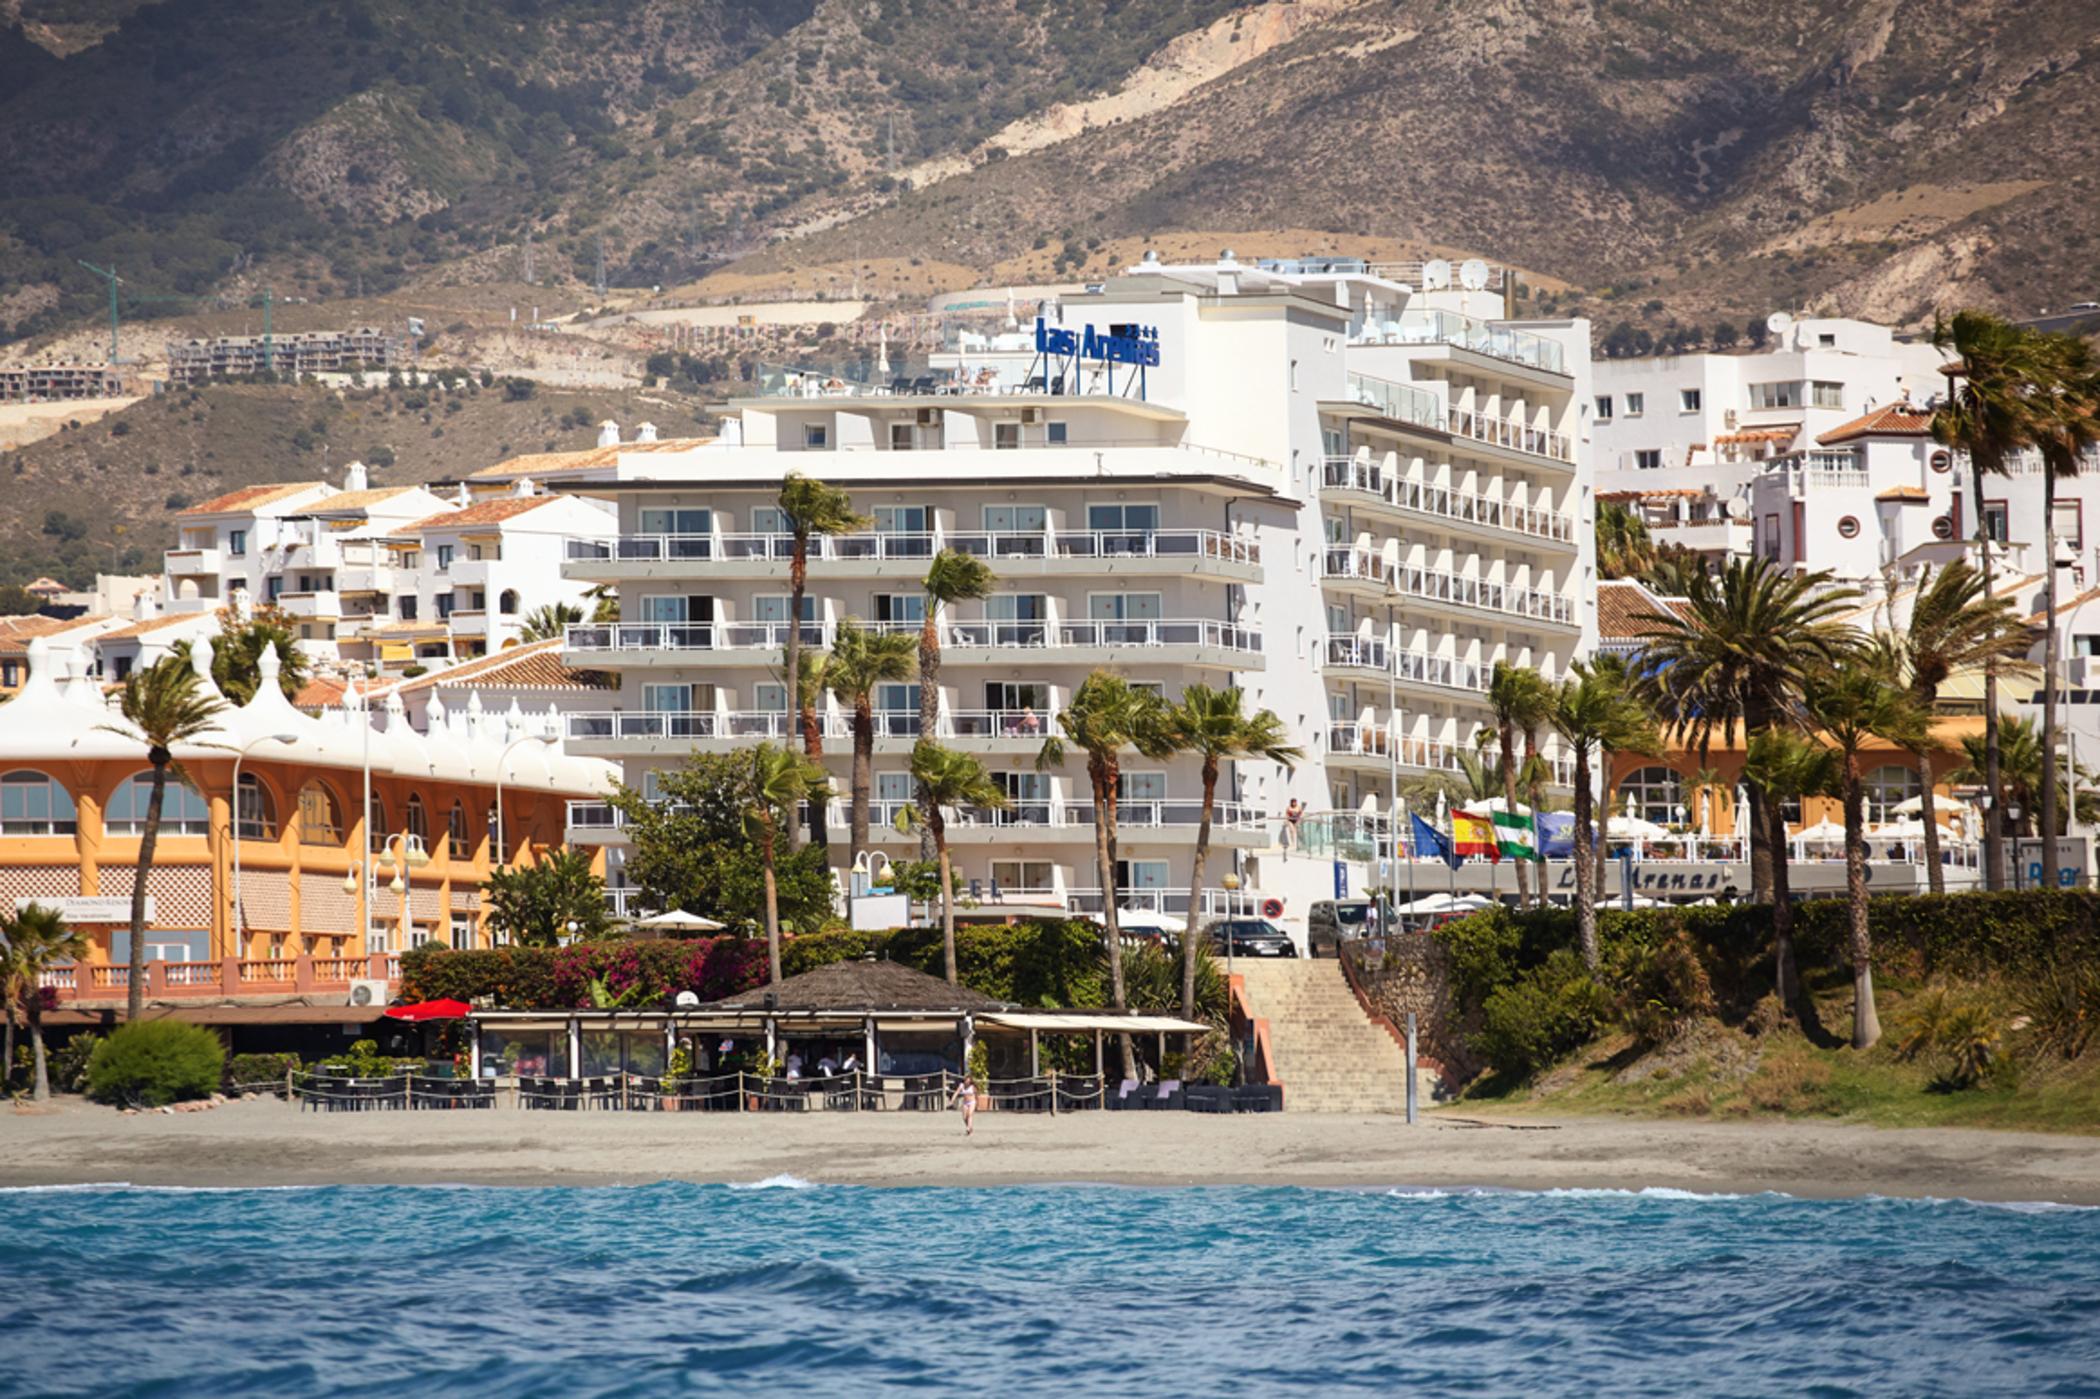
x=1898, y=830
x=1824, y=832
x=678, y=920
x=1631, y=827
x=423, y=1011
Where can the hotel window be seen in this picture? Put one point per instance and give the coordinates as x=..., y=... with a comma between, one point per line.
x=771, y=698
x=1888, y=787
x=1056, y=433
x=1141, y=874
x=273, y=586
x=319, y=824
x=183, y=811
x=378, y=830
x=2085, y=644
x=500, y=837
x=416, y=824
x=666, y=521
x=769, y=519
x=1013, y=876
x=1018, y=619
x=1688, y=400
x=1997, y=521
x=902, y=437
x=31, y=804
x=2070, y=523
x=1134, y=521
x=408, y=609
x=418, y=934
x=444, y=558
x=444, y=602
x=1777, y=395
x=1648, y=459
x=456, y=832
x=1006, y=436
x=1636, y=404
x=1656, y=792
x=462, y=933
x=1604, y=408
x=1824, y=394
x=1014, y=519
x=892, y=790
x=815, y=437
x=900, y=609
x=237, y=543
x=258, y=814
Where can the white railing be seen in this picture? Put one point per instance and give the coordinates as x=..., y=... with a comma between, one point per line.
x=1426, y=668
x=1029, y=635
x=1345, y=563
x=1415, y=327
x=1402, y=403
x=1504, y=432
x=1368, y=652
x=1445, y=502
x=1458, y=590
x=1183, y=631
x=690, y=636
x=1172, y=544
x=1022, y=814
x=614, y=724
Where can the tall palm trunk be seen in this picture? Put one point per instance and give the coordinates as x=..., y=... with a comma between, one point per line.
x=1993, y=819
x=2049, y=772
x=1866, y=1025
x=1507, y=734
x=765, y=852
x=135, y=991
x=1786, y=978
x=929, y=713
x=1756, y=719
x=1196, y=871
x=1599, y=852
x=1102, y=775
x=1936, y=877
x=863, y=778
x=40, y=1083
x=798, y=585
x=813, y=746
x=1585, y=870
x=940, y=845
x=1534, y=764
x=7, y=1059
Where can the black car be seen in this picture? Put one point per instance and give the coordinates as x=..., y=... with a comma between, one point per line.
x=1250, y=937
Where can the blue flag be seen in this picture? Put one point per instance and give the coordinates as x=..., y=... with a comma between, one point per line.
x=1557, y=835
x=1429, y=840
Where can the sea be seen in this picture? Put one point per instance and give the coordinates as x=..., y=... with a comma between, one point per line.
x=782, y=1287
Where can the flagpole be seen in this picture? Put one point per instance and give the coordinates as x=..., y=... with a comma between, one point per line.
x=1410, y=852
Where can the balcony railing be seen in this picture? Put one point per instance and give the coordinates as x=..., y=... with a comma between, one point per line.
x=1425, y=668
x=1367, y=652
x=1400, y=402
x=1445, y=502
x=1457, y=590
x=1216, y=903
x=1516, y=436
x=221, y=977
x=1022, y=814
x=777, y=725
x=1415, y=327
x=1343, y=563
x=690, y=636
x=1172, y=544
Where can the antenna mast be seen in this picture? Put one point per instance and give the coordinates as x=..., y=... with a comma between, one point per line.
x=108, y=274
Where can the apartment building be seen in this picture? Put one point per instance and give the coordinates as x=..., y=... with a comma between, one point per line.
x=388, y=576
x=308, y=352
x=1348, y=493
x=1680, y=438
x=58, y=383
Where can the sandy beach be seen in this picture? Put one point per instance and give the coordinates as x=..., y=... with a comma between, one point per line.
x=270, y=1143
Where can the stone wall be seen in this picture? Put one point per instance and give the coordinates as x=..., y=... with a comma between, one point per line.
x=1413, y=973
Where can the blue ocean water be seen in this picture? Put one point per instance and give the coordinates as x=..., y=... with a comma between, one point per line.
x=782, y=1289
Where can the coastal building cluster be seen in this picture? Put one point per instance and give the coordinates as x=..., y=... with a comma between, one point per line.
x=1351, y=490
x=202, y=358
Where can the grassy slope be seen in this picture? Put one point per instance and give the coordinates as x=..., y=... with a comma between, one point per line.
x=1727, y=1073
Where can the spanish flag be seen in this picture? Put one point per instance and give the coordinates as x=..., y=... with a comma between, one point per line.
x=1475, y=835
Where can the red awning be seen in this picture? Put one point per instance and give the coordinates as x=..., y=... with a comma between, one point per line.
x=430, y=1010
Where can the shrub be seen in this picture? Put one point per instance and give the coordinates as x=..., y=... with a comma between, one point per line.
x=152, y=1062
x=1545, y=1013
x=260, y=1071
x=1955, y=1031
x=2062, y=1008
x=69, y=1063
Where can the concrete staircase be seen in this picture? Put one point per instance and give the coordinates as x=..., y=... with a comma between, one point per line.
x=1330, y=1055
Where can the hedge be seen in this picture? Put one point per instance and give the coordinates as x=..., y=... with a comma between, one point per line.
x=1053, y=963
x=154, y=1062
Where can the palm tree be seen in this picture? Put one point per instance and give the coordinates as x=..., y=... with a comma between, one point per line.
x=780, y=778
x=1987, y=417
x=953, y=577
x=163, y=705
x=860, y=662
x=951, y=779
x=2019, y=747
x=1624, y=546
x=1736, y=656
x=1850, y=705
x=1786, y=765
x=1213, y=725
x=2066, y=420
x=1591, y=712
x=1955, y=626
x=1520, y=698
x=809, y=694
x=813, y=510
x=549, y=623
x=1104, y=716
x=1610, y=668
x=35, y=939
x=1478, y=779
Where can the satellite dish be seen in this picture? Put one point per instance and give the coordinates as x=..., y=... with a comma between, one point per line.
x=1779, y=323
x=1473, y=274
x=1436, y=275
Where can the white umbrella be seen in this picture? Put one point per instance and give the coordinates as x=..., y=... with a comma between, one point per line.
x=1148, y=920
x=678, y=919
x=1898, y=830
x=1824, y=832
x=1631, y=827
x=1493, y=804
x=1914, y=807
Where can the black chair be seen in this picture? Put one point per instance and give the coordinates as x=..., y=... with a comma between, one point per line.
x=1207, y=1097
x=1259, y=1097
x=1163, y=1097
x=1076, y=1093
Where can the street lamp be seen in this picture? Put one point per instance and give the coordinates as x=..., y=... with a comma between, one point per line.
x=240, y=910
x=362, y=874
x=502, y=851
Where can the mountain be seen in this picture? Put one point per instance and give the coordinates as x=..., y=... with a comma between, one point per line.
x=1639, y=159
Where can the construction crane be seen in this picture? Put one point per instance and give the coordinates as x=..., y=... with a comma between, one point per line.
x=109, y=275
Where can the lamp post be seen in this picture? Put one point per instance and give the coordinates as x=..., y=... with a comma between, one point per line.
x=502, y=851
x=364, y=878
x=240, y=910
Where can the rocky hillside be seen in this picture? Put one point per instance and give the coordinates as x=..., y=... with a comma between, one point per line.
x=1637, y=157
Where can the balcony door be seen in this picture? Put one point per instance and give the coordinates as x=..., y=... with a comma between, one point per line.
x=897, y=711
x=1027, y=796
x=1124, y=619
x=674, y=534
x=1018, y=619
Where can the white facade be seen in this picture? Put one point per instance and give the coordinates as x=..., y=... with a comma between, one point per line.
x=1335, y=491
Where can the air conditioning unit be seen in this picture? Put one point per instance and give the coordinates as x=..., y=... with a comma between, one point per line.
x=929, y=417
x=1031, y=416
x=368, y=991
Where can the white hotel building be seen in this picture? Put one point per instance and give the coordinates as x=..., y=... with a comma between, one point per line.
x=1346, y=494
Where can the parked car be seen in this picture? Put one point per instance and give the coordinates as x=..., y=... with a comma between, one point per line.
x=1250, y=937
x=1331, y=920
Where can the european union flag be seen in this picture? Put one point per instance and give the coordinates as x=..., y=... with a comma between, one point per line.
x=1429, y=839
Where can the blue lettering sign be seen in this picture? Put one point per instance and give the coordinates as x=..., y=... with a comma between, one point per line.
x=1141, y=347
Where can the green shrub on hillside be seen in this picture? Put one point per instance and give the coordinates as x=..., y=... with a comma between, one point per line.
x=69, y=1062
x=1543, y=1014
x=152, y=1062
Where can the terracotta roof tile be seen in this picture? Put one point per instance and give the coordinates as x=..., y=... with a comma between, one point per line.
x=536, y=665
x=17, y=632
x=1914, y=494
x=362, y=500
x=154, y=624
x=487, y=512
x=1899, y=419
x=1623, y=602
x=877, y=986
x=585, y=459
x=249, y=498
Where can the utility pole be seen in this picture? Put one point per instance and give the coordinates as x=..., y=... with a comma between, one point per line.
x=601, y=267
x=109, y=275
x=269, y=345
x=528, y=259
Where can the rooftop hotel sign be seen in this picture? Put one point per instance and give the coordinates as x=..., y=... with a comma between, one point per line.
x=1133, y=345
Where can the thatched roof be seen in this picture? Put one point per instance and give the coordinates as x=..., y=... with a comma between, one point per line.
x=863, y=986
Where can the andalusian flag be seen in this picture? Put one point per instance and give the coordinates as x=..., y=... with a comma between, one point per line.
x=1517, y=836
x=1474, y=835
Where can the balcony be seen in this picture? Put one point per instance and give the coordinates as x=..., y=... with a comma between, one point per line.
x=1172, y=820
x=90, y=983
x=1364, y=572
x=1510, y=435
x=1216, y=903
x=1468, y=595
x=469, y=573
x=1417, y=327
x=192, y=563
x=1358, y=653
x=1418, y=669
x=1367, y=486
x=1183, y=641
x=325, y=605
x=616, y=733
x=1033, y=553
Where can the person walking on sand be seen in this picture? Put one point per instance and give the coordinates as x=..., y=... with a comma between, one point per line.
x=965, y=1097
